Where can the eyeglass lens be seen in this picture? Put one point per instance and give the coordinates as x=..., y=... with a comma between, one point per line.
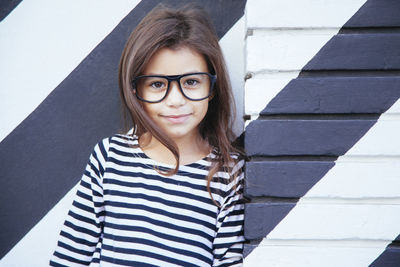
x=154, y=88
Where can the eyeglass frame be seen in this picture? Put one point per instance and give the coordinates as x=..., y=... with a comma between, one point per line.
x=171, y=78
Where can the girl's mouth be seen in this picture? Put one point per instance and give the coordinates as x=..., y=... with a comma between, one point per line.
x=176, y=118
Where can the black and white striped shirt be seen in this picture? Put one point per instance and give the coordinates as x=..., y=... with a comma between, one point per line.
x=126, y=213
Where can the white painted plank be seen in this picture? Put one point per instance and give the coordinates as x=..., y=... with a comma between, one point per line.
x=286, y=254
x=335, y=221
x=300, y=13
x=371, y=179
x=382, y=138
x=261, y=90
x=346, y=219
x=42, y=41
x=284, y=50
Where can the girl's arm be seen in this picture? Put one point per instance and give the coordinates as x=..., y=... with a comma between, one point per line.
x=228, y=242
x=80, y=237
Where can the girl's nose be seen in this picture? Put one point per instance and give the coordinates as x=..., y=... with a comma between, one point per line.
x=175, y=96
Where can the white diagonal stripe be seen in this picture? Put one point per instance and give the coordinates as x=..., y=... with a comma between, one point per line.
x=357, y=201
x=42, y=42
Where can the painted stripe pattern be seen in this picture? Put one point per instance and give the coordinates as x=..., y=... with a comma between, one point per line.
x=83, y=108
x=322, y=174
x=125, y=212
x=274, y=175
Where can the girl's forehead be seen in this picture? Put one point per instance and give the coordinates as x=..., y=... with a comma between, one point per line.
x=171, y=61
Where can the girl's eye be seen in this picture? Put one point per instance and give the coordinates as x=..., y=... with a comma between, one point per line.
x=191, y=83
x=157, y=85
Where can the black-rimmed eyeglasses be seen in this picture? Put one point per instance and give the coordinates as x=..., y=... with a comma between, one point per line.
x=154, y=88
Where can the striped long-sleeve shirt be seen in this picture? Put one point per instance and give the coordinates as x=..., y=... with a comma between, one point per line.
x=127, y=213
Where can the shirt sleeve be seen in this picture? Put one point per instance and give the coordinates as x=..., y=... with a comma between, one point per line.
x=229, y=239
x=81, y=235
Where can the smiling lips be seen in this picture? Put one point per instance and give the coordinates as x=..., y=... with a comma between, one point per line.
x=176, y=118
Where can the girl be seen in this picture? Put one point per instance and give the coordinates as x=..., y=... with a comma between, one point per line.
x=170, y=194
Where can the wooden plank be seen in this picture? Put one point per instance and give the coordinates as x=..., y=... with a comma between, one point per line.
x=261, y=90
x=359, y=178
x=303, y=137
x=382, y=139
x=358, y=52
x=248, y=248
x=290, y=179
x=300, y=13
x=315, y=255
x=283, y=50
x=261, y=218
x=389, y=258
x=318, y=95
x=323, y=220
x=376, y=13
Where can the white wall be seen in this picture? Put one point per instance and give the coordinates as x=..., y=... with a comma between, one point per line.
x=351, y=215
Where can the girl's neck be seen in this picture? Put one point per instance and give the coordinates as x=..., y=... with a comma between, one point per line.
x=190, y=149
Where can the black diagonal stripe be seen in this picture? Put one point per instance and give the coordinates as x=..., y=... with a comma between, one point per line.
x=390, y=257
x=7, y=6
x=338, y=96
x=44, y=156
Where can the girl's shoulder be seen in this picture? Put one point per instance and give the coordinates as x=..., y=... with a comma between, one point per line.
x=237, y=159
x=116, y=142
x=120, y=140
x=232, y=172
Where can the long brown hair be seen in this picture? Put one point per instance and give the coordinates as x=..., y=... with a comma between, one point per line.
x=186, y=27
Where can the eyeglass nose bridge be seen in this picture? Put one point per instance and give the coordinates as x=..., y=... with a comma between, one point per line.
x=177, y=78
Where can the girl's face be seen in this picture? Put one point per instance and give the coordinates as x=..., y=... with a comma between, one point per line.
x=178, y=116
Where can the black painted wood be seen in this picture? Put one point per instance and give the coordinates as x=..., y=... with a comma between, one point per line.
x=44, y=156
x=376, y=13
x=248, y=248
x=356, y=72
x=316, y=95
x=261, y=218
x=358, y=52
x=389, y=258
x=284, y=179
x=303, y=137
x=7, y=6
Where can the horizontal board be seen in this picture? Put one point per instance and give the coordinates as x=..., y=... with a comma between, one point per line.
x=359, y=178
x=382, y=139
x=358, y=52
x=377, y=13
x=323, y=220
x=6, y=7
x=283, y=50
x=389, y=258
x=349, y=220
x=261, y=218
x=318, y=95
x=283, y=178
x=315, y=255
x=300, y=13
x=260, y=91
x=303, y=137
x=248, y=248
